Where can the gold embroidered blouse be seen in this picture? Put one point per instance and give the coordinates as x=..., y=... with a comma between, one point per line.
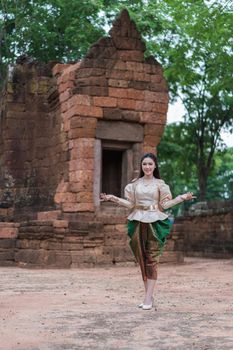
x=144, y=200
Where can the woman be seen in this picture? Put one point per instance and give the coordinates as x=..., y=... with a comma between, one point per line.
x=148, y=226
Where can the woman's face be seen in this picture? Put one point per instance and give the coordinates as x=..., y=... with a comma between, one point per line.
x=148, y=166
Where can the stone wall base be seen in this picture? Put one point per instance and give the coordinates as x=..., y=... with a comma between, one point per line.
x=52, y=241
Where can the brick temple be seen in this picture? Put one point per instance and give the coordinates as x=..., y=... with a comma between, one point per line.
x=69, y=132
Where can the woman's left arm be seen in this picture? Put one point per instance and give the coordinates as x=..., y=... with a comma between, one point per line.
x=166, y=201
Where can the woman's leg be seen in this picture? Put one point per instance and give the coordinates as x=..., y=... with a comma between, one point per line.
x=149, y=292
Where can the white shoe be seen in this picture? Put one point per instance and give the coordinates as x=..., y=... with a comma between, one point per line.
x=147, y=307
x=140, y=305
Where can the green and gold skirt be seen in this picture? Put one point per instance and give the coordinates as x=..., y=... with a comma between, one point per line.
x=147, y=241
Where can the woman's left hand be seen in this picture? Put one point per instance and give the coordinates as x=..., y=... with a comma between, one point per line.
x=188, y=196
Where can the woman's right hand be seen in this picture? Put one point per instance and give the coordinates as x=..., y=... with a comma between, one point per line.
x=105, y=197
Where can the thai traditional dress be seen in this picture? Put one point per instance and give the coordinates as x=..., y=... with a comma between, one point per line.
x=148, y=225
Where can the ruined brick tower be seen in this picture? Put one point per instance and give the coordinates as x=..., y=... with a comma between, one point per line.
x=68, y=132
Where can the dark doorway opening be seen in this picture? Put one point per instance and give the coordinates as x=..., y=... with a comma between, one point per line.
x=112, y=172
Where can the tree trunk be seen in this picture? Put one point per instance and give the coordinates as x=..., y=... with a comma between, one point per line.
x=202, y=180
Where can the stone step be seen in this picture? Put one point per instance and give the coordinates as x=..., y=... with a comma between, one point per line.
x=9, y=229
x=49, y=215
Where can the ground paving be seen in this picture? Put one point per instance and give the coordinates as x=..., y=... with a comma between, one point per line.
x=57, y=309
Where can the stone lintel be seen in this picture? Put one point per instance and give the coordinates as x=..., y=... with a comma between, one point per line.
x=119, y=131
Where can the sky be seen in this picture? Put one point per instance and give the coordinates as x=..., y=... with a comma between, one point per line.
x=175, y=113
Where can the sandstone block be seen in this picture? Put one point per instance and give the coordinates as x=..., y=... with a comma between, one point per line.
x=131, y=55
x=119, y=74
x=105, y=101
x=72, y=246
x=141, y=76
x=81, y=176
x=92, y=90
x=86, y=197
x=65, y=86
x=81, y=110
x=64, y=96
x=77, y=207
x=153, y=118
x=143, y=106
x=151, y=140
x=48, y=245
x=117, y=92
x=135, y=94
x=78, y=99
x=48, y=215
x=83, y=122
x=153, y=129
x=6, y=255
x=8, y=232
x=160, y=108
x=81, y=132
x=136, y=66
x=126, y=103
x=118, y=83
x=59, y=68
x=69, y=197
x=81, y=164
x=156, y=78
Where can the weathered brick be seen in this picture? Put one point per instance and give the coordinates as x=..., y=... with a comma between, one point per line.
x=65, y=96
x=76, y=207
x=78, y=99
x=8, y=232
x=156, y=78
x=69, y=197
x=151, y=140
x=143, y=106
x=82, y=176
x=105, y=101
x=153, y=118
x=59, y=68
x=141, y=76
x=82, y=122
x=160, y=107
x=60, y=223
x=136, y=66
x=118, y=83
x=153, y=129
x=85, y=197
x=81, y=110
x=48, y=215
x=64, y=86
x=81, y=132
x=117, y=92
x=130, y=55
x=126, y=103
x=81, y=164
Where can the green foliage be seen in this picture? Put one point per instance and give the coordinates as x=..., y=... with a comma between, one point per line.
x=177, y=165
x=60, y=30
x=191, y=39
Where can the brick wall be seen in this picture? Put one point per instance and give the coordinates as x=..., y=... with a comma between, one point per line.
x=54, y=120
x=114, y=82
x=208, y=232
x=33, y=148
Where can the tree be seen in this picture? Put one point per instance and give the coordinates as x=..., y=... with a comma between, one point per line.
x=59, y=30
x=220, y=184
x=178, y=167
x=193, y=41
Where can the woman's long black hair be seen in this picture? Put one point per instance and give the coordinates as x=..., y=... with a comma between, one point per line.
x=156, y=169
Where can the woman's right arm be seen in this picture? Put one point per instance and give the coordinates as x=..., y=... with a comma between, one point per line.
x=128, y=202
x=111, y=198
